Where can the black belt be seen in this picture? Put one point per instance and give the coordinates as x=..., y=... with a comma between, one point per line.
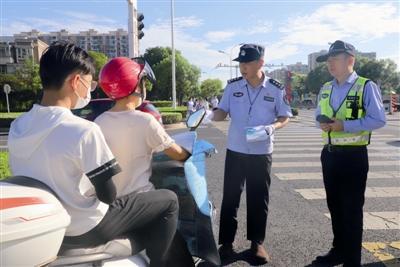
x=332, y=148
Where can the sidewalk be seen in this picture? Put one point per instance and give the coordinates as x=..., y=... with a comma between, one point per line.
x=393, y=117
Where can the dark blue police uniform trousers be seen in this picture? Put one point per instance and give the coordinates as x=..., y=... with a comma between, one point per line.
x=345, y=172
x=255, y=170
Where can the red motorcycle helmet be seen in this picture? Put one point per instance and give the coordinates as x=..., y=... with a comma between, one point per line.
x=121, y=75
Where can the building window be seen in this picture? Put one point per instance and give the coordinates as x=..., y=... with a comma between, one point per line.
x=3, y=69
x=3, y=52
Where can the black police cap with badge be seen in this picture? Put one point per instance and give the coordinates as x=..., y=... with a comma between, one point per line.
x=250, y=52
x=338, y=47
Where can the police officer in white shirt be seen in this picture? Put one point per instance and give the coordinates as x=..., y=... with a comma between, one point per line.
x=257, y=106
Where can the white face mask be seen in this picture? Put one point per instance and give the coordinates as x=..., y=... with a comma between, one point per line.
x=82, y=102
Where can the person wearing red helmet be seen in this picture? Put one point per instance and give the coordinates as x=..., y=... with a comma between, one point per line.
x=133, y=136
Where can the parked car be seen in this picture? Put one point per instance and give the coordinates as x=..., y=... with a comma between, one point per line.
x=98, y=106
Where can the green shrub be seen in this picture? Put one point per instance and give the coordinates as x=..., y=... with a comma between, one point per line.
x=162, y=103
x=295, y=111
x=4, y=167
x=11, y=115
x=21, y=100
x=171, y=117
x=182, y=110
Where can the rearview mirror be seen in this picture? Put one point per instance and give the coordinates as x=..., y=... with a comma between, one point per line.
x=195, y=119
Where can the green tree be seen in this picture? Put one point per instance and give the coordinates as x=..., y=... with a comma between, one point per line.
x=383, y=72
x=155, y=55
x=299, y=83
x=316, y=78
x=210, y=87
x=28, y=75
x=100, y=60
x=187, y=75
x=10, y=79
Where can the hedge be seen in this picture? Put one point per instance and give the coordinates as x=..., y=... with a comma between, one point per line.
x=21, y=100
x=162, y=103
x=7, y=118
x=4, y=167
x=171, y=117
x=182, y=110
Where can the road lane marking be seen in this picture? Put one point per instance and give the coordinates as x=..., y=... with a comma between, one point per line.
x=318, y=175
x=370, y=192
x=300, y=164
x=384, y=220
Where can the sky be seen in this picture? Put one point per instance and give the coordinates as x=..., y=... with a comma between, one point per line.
x=289, y=30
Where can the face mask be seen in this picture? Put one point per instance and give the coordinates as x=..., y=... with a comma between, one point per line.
x=82, y=102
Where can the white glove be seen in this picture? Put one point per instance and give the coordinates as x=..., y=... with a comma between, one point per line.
x=208, y=117
x=259, y=133
x=256, y=134
x=270, y=129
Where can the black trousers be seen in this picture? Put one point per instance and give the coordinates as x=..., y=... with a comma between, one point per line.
x=255, y=170
x=345, y=176
x=151, y=217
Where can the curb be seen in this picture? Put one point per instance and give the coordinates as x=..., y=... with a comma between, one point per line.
x=180, y=125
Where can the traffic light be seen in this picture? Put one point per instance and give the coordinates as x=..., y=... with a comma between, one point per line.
x=140, y=25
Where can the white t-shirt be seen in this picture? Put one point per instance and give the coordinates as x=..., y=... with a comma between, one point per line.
x=63, y=151
x=133, y=136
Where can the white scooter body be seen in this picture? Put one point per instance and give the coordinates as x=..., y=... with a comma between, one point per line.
x=33, y=223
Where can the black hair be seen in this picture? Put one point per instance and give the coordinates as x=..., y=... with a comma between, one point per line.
x=61, y=59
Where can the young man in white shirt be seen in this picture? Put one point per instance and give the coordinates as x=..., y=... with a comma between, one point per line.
x=70, y=155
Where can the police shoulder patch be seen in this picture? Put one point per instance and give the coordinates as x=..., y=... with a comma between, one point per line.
x=235, y=80
x=276, y=84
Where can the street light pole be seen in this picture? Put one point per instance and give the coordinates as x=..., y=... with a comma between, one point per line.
x=173, y=57
x=230, y=60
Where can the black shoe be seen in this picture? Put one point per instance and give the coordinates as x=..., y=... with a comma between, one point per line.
x=259, y=253
x=226, y=252
x=332, y=258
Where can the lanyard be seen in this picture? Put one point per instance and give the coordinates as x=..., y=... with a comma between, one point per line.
x=254, y=100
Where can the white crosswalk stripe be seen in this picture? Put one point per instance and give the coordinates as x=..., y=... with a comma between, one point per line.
x=384, y=220
x=305, y=143
x=317, y=155
x=297, y=147
x=318, y=175
x=278, y=149
x=299, y=164
x=319, y=193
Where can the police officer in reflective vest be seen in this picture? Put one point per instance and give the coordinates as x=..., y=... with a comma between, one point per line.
x=257, y=106
x=349, y=109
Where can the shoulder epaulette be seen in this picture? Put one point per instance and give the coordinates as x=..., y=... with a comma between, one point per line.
x=235, y=80
x=276, y=83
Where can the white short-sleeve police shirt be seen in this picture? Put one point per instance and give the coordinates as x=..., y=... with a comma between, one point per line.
x=249, y=107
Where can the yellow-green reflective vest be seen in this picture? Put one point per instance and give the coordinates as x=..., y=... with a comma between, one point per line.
x=350, y=109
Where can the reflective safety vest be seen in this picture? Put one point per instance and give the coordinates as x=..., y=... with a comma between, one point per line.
x=350, y=109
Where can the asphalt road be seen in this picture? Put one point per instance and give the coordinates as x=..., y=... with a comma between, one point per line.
x=298, y=226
